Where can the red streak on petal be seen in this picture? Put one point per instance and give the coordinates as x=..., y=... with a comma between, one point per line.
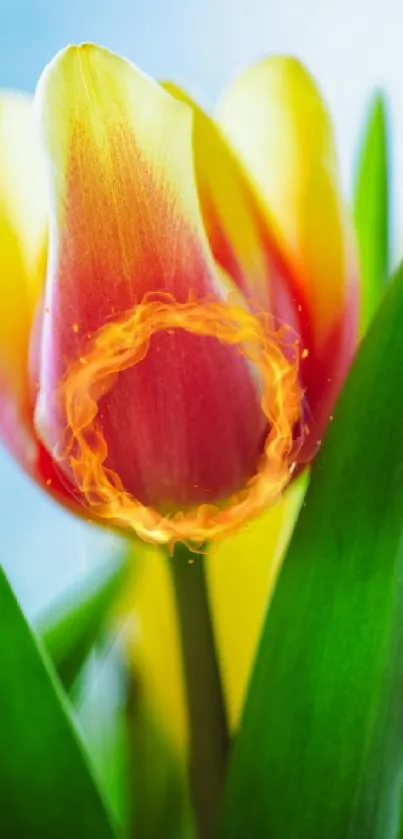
x=186, y=424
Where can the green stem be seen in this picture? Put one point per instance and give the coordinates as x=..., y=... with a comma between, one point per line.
x=209, y=739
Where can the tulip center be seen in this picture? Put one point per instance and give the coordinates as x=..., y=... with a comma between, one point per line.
x=123, y=343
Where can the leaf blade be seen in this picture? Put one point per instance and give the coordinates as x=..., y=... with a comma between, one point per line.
x=321, y=745
x=371, y=208
x=46, y=788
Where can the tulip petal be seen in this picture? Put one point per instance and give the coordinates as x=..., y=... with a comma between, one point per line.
x=154, y=643
x=23, y=232
x=240, y=236
x=242, y=572
x=276, y=120
x=23, y=246
x=186, y=423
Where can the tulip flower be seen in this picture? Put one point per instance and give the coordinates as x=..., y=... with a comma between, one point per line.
x=181, y=359
x=115, y=194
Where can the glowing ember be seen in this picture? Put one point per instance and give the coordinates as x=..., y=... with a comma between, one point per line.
x=121, y=344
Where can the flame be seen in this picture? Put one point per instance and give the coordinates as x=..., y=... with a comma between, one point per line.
x=124, y=342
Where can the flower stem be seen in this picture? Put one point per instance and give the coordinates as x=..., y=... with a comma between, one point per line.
x=209, y=740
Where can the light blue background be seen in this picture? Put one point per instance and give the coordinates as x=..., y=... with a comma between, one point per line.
x=350, y=45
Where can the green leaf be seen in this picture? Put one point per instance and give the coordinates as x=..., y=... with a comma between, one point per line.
x=320, y=751
x=46, y=788
x=371, y=209
x=71, y=625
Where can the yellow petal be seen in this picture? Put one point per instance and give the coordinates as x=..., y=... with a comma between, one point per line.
x=154, y=644
x=231, y=214
x=23, y=229
x=242, y=571
x=276, y=120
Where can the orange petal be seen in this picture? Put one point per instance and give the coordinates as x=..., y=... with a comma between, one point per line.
x=186, y=423
x=23, y=231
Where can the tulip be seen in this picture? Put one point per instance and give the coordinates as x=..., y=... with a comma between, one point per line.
x=155, y=209
x=132, y=192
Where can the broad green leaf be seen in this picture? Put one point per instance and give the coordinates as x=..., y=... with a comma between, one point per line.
x=371, y=209
x=320, y=750
x=46, y=788
x=70, y=626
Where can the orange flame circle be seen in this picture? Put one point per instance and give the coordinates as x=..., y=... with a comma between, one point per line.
x=124, y=342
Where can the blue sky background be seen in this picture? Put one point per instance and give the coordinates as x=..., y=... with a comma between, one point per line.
x=351, y=46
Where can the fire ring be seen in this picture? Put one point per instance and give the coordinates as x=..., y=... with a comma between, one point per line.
x=124, y=342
